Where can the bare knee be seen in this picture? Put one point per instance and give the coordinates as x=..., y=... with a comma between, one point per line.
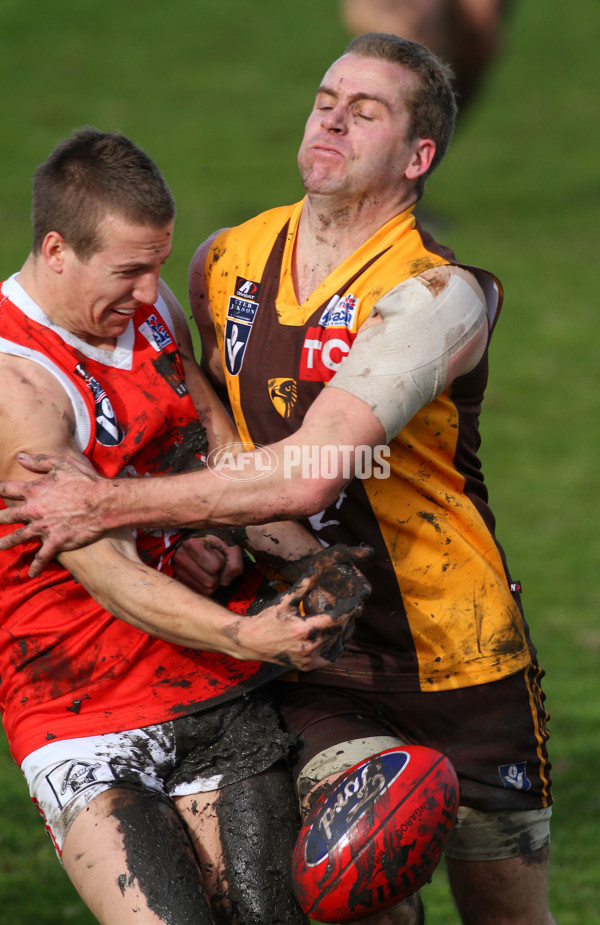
x=511, y=891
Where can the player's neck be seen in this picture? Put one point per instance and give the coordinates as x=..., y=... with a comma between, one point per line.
x=32, y=278
x=329, y=232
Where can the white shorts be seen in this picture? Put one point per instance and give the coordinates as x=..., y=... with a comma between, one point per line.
x=191, y=754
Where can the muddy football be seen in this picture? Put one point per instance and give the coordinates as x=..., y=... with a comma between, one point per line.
x=377, y=836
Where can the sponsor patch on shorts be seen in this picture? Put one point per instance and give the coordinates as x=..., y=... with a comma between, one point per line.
x=69, y=778
x=514, y=776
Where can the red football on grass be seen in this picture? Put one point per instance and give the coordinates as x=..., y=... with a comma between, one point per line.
x=377, y=836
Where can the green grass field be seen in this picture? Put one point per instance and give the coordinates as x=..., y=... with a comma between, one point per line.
x=217, y=93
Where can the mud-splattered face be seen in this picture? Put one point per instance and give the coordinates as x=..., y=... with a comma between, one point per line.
x=356, y=138
x=99, y=296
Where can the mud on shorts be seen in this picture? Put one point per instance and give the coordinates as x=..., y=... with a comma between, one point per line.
x=494, y=734
x=191, y=754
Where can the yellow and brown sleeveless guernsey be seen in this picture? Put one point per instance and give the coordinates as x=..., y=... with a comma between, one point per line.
x=444, y=612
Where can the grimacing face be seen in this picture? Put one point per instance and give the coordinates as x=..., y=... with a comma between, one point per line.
x=356, y=141
x=101, y=294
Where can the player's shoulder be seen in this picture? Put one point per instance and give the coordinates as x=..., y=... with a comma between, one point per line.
x=27, y=383
x=438, y=277
x=241, y=250
x=271, y=219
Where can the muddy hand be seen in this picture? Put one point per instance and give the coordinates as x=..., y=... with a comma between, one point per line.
x=340, y=586
x=341, y=590
x=53, y=509
x=280, y=633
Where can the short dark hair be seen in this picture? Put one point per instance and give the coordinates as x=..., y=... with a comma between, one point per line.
x=432, y=106
x=89, y=175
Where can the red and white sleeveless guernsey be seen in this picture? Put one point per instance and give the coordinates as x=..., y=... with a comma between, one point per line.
x=69, y=668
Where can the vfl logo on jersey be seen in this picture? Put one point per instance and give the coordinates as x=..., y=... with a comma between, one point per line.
x=340, y=313
x=241, y=311
x=155, y=333
x=283, y=394
x=108, y=430
x=236, y=341
x=514, y=776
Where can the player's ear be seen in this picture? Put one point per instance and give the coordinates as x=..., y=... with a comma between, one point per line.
x=54, y=249
x=422, y=156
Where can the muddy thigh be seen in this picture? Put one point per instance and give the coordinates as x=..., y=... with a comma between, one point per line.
x=258, y=821
x=160, y=857
x=255, y=823
x=131, y=859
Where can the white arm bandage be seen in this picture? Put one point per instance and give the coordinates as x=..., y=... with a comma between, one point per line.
x=401, y=364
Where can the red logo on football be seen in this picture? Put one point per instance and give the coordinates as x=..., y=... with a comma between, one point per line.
x=377, y=836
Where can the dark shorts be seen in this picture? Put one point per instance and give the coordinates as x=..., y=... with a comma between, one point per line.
x=494, y=734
